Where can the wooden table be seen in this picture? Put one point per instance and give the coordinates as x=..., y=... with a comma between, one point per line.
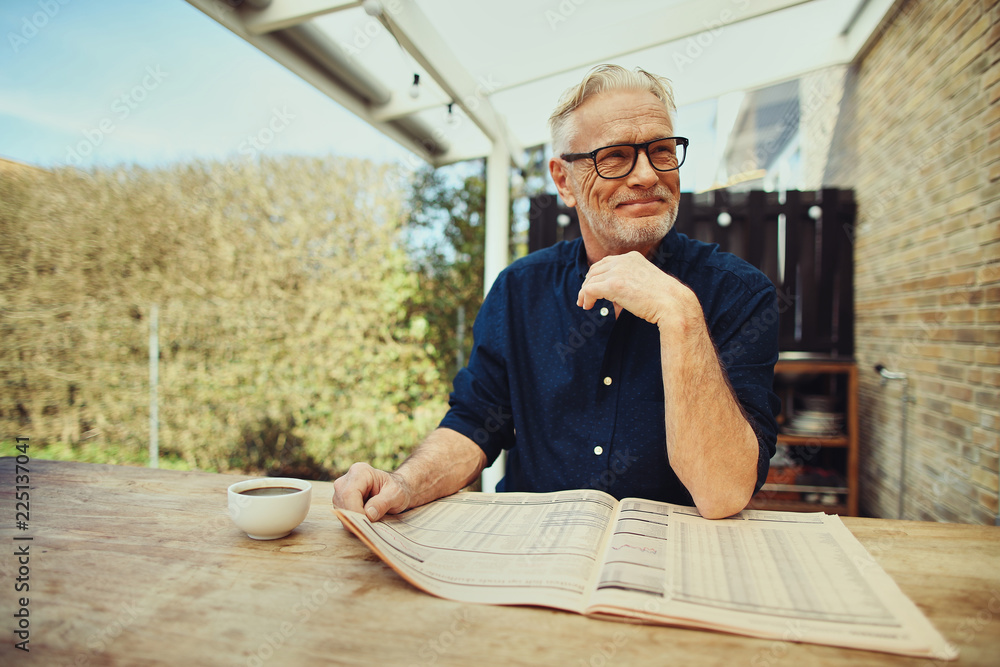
x=131, y=566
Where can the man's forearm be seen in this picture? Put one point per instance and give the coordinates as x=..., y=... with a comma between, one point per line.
x=444, y=463
x=710, y=444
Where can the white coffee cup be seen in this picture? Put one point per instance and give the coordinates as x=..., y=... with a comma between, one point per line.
x=267, y=508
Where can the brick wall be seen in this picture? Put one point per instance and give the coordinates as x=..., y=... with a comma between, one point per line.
x=919, y=141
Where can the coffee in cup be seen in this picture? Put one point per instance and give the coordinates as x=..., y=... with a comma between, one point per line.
x=268, y=508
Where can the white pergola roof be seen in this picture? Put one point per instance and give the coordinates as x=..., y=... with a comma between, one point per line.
x=504, y=64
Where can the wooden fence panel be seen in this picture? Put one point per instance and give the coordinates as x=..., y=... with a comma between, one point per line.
x=813, y=269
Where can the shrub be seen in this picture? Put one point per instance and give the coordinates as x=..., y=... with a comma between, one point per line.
x=281, y=289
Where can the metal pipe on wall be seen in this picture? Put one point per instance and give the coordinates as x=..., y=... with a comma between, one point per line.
x=887, y=375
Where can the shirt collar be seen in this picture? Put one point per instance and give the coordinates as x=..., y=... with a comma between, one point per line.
x=582, y=265
x=661, y=256
x=664, y=252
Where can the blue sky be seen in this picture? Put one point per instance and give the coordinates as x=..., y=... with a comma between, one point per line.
x=99, y=82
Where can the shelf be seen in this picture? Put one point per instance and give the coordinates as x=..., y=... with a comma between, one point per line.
x=813, y=366
x=803, y=488
x=840, y=377
x=821, y=440
x=796, y=506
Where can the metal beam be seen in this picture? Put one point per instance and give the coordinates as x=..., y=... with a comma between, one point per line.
x=402, y=105
x=306, y=63
x=497, y=214
x=281, y=14
x=456, y=154
x=415, y=33
x=496, y=252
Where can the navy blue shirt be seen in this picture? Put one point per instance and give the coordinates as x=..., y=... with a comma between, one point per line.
x=576, y=396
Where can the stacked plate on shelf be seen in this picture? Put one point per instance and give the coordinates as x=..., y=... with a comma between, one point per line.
x=817, y=418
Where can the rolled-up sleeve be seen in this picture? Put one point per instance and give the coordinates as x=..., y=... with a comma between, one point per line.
x=480, y=401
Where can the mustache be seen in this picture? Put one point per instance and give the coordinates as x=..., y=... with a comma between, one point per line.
x=656, y=192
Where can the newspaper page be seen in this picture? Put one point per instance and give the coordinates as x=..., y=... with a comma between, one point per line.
x=785, y=575
x=497, y=548
x=635, y=566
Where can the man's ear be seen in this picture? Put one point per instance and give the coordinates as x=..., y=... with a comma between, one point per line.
x=560, y=176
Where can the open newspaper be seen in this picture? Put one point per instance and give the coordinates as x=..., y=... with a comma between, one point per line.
x=763, y=574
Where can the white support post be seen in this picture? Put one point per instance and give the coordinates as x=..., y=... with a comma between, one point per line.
x=497, y=232
x=154, y=378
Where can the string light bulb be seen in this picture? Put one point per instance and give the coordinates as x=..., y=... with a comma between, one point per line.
x=415, y=88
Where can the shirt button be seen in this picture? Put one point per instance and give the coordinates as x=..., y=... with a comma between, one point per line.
x=598, y=450
x=604, y=311
x=607, y=381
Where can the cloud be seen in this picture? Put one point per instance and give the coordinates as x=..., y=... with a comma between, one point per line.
x=28, y=108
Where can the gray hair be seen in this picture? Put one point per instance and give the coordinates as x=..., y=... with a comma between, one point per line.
x=604, y=79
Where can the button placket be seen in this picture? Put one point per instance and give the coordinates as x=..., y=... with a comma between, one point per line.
x=610, y=377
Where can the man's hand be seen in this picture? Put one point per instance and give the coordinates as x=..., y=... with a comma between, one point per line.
x=446, y=462
x=372, y=491
x=634, y=283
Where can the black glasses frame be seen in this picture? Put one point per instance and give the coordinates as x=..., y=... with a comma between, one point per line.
x=573, y=157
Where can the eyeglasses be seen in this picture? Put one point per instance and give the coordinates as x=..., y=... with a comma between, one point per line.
x=619, y=160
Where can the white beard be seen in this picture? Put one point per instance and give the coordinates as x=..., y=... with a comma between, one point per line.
x=620, y=235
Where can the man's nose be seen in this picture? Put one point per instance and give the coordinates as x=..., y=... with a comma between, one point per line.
x=643, y=175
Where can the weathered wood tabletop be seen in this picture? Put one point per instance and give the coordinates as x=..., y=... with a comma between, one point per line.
x=132, y=566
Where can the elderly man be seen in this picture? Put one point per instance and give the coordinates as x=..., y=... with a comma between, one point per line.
x=596, y=362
